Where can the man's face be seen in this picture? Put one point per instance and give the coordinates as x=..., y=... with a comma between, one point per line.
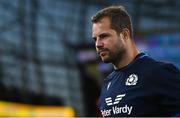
x=109, y=45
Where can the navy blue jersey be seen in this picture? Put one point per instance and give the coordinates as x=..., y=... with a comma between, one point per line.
x=145, y=87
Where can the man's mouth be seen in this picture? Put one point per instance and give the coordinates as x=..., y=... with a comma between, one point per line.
x=102, y=52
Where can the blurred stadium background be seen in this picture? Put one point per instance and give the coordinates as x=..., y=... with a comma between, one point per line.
x=47, y=57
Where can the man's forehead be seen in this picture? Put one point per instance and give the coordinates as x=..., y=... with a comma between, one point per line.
x=104, y=20
x=101, y=26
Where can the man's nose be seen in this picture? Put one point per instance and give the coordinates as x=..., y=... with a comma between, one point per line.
x=99, y=43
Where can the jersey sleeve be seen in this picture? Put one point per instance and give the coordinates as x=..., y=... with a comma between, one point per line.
x=167, y=87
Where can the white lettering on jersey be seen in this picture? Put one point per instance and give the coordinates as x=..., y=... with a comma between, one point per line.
x=116, y=101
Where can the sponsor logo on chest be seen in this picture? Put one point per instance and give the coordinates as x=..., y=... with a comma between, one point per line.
x=116, y=109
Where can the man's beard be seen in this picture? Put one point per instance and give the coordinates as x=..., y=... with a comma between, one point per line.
x=115, y=57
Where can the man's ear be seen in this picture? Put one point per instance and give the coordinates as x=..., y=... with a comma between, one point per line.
x=125, y=34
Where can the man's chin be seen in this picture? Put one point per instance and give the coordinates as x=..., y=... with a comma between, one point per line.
x=106, y=60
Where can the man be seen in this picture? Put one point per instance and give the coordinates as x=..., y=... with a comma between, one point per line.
x=139, y=85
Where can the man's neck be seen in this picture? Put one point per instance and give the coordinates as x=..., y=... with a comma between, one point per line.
x=128, y=57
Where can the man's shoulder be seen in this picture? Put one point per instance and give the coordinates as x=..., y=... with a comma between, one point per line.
x=152, y=69
x=155, y=65
x=164, y=67
x=168, y=66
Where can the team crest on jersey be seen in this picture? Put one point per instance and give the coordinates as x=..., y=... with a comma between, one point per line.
x=132, y=80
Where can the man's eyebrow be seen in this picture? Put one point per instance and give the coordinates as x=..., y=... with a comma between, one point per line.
x=101, y=35
x=104, y=34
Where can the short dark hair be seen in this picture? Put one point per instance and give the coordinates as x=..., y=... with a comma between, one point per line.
x=119, y=18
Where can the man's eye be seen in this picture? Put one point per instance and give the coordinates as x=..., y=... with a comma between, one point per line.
x=94, y=39
x=104, y=35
